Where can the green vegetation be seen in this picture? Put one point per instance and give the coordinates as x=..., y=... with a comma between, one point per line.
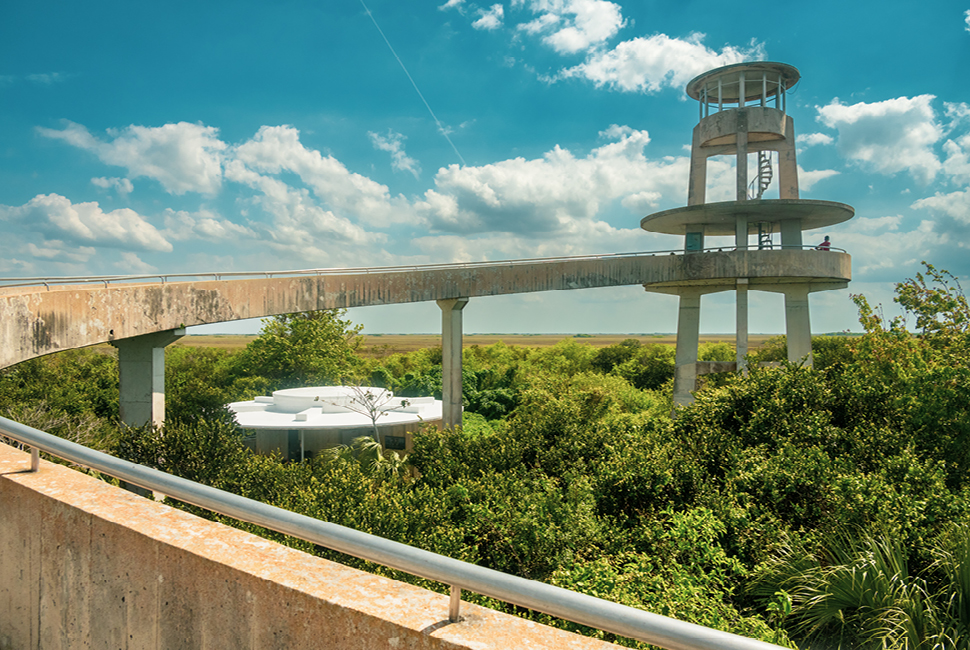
x=825, y=507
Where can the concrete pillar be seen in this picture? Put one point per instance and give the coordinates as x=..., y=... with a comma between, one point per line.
x=741, y=232
x=697, y=184
x=787, y=164
x=798, y=326
x=741, y=336
x=791, y=233
x=742, y=153
x=688, y=333
x=451, y=335
x=141, y=376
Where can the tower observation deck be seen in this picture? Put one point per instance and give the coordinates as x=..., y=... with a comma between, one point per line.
x=742, y=112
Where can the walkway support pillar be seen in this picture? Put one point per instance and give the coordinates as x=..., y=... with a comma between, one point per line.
x=798, y=326
x=141, y=376
x=451, y=341
x=688, y=334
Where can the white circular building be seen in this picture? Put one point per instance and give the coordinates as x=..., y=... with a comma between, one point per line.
x=299, y=422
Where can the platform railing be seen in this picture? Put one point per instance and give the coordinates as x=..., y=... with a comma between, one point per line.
x=162, y=278
x=555, y=601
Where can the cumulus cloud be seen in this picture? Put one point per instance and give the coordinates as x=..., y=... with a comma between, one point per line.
x=955, y=205
x=182, y=157
x=120, y=185
x=451, y=4
x=558, y=195
x=393, y=143
x=131, y=263
x=807, y=179
x=204, y=224
x=966, y=19
x=957, y=162
x=275, y=149
x=87, y=223
x=297, y=219
x=957, y=112
x=812, y=139
x=652, y=63
x=571, y=26
x=891, y=136
x=57, y=251
x=879, y=247
x=490, y=18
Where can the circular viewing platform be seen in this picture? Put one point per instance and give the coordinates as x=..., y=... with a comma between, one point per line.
x=760, y=80
x=720, y=219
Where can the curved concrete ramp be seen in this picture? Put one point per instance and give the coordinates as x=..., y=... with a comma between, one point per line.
x=39, y=320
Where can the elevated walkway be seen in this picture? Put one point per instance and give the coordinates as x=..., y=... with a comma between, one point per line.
x=47, y=316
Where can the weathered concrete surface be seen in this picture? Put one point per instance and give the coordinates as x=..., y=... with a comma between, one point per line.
x=87, y=565
x=38, y=321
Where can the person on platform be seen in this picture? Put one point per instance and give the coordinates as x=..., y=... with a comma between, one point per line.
x=825, y=245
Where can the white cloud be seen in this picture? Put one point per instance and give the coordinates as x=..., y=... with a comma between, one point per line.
x=966, y=19
x=807, y=179
x=182, y=225
x=393, y=143
x=46, y=78
x=57, y=251
x=957, y=162
x=879, y=248
x=87, y=223
x=275, y=149
x=543, y=23
x=650, y=64
x=958, y=112
x=558, y=195
x=131, y=263
x=491, y=18
x=182, y=157
x=298, y=222
x=121, y=185
x=954, y=204
x=451, y=4
x=875, y=224
x=572, y=26
x=812, y=139
x=890, y=136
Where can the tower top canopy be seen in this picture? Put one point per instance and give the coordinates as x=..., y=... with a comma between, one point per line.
x=725, y=82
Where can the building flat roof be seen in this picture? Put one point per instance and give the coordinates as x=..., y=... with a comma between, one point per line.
x=333, y=407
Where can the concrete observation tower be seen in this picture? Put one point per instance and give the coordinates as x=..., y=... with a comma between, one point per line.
x=742, y=113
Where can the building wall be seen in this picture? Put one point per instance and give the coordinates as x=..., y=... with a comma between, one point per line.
x=84, y=564
x=270, y=441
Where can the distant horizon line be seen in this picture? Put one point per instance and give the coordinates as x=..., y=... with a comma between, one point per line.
x=564, y=334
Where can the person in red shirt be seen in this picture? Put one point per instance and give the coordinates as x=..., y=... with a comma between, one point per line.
x=825, y=245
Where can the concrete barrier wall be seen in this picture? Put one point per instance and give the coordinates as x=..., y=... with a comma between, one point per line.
x=84, y=564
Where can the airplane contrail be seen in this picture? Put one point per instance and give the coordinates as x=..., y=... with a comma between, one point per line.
x=441, y=128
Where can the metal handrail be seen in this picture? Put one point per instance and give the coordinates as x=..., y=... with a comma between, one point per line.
x=162, y=278
x=555, y=601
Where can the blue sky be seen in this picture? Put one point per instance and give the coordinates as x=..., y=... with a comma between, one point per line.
x=246, y=136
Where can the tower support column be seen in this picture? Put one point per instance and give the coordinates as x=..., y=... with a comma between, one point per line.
x=741, y=335
x=697, y=184
x=742, y=153
x=798, y=326
x=141, y=376
x=451, y=342
x=787, y=163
